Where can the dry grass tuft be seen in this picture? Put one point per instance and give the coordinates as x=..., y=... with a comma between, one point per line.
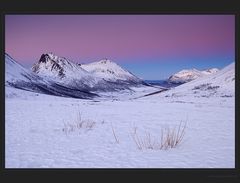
x=170, y=138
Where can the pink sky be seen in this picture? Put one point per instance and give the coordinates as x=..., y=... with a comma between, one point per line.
x=85, y=38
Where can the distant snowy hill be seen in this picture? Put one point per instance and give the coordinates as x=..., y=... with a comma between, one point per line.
x=185, y=76
x=110, y=71
x=221, y=83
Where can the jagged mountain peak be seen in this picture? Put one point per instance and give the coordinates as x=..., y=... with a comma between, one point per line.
x=52, y=55
x=52, y=58
x=51, y=65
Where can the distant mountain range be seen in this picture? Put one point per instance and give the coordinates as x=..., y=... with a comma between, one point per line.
x=59, y=76
x=185, y=76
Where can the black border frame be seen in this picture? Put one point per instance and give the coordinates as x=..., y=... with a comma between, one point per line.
x=113, y=7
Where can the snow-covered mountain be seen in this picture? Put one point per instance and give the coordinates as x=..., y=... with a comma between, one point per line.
x=19, y=77
x=185, y=75
x=110, y=71
x=98, y=76
x=59, y=76
x=62, y=70
x=221, y=83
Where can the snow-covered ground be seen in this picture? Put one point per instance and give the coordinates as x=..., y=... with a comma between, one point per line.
x=41, y=130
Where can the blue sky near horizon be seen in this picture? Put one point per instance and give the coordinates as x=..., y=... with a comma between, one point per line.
x=158, y=70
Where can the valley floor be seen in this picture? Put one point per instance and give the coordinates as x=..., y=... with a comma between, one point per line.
x=41, y=131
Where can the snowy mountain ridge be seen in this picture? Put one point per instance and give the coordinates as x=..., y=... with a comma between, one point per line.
x=61, y=70
x=65, y=71
x=108, y=70
x=59, y=76
x=19, y=77
x=187, y=75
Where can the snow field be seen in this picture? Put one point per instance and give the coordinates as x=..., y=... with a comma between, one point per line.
x=35, y=138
